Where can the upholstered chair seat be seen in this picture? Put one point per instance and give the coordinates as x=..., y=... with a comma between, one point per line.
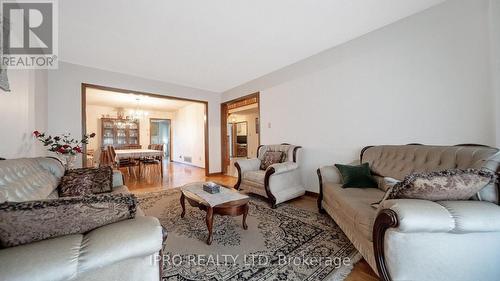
x=255, y=176
x=278, y=182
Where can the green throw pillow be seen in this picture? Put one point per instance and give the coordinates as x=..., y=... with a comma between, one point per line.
x=356, y=176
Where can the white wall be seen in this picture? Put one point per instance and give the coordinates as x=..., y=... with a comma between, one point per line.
x=494, y=25
x=65, y=100
x=22, y=111
x=424, y=79
x=188, y=131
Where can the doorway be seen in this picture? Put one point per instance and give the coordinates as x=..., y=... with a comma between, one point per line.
x=160, y=132
x=240, y=131
x=123, y=106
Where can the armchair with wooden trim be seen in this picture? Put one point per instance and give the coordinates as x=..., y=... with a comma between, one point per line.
x=280, y=182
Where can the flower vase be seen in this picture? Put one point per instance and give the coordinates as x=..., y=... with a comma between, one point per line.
x=69, y=161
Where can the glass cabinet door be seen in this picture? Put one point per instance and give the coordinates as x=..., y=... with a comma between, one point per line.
x=108, y=136
x=119, y=132
x=133, y=136
x=121, y=136
x=133, y=133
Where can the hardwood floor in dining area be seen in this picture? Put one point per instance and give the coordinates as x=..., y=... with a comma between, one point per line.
x=174, y=175
x=177, y=175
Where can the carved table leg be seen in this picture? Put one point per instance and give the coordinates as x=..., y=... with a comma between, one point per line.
x=210, y=220
x=245, y=226
x=183, y=205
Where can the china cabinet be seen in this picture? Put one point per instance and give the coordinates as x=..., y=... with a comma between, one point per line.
x=119, y=132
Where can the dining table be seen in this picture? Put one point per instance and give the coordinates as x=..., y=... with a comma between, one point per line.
x=138, y=154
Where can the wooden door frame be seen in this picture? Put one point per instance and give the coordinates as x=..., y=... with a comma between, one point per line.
x=169, y=134
x=234, y=138
x=84, y=87
x=223, y=117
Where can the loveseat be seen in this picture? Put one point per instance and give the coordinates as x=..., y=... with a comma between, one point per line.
x=125, y=250
x=408, y=239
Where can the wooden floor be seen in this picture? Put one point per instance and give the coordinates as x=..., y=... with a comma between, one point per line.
x=176, y=175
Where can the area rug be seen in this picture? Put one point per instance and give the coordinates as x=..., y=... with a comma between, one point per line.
x=286, y=243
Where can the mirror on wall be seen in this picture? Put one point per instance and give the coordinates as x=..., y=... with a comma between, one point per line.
x=241, y=128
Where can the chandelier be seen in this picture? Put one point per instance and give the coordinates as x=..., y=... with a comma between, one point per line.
x=137, y=114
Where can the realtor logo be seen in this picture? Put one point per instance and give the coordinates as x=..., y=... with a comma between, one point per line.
x=29, y=34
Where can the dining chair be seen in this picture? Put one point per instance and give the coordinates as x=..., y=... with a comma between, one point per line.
x=123, y=163
x=131, y=146
x=105, y=158
x=90, y=157
x=152, y=165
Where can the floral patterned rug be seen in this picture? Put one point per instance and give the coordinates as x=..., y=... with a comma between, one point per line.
x=287, y=243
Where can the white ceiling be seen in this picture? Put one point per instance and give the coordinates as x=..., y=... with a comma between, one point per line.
x=129, y=101
x=218, y=44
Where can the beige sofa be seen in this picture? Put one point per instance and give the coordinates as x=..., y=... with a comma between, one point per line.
x=280, y=182
x=417, y=239
x=120, y=251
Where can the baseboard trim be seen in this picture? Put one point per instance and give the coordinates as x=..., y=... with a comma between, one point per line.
x=215, y=174
x=312, y=194
x=188, y=164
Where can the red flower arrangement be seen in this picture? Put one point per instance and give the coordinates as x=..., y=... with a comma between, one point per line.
x=63, y=144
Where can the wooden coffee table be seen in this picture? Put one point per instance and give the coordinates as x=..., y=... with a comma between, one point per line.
x=231, y=208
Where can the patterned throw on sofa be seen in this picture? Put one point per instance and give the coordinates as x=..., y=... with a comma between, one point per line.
x=85, y=201
x=30, y=221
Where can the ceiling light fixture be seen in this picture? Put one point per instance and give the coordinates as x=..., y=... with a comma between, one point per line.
x=137, y=113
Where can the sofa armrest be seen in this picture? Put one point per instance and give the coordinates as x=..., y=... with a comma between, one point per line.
x=448, y=223
x=245, y=165
x=117, y=178
x=326, y=174
x=444, y=216
x=329, y=173
x=280, y=168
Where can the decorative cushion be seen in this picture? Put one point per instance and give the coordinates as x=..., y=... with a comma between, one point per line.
x=76, y=185
x=455, y=184
x=356, y=176
x=271, y=157
x=30, y=221
x=85, y=181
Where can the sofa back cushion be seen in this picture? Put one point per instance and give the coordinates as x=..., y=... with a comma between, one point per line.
x=27, y=179
x=397, y=161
